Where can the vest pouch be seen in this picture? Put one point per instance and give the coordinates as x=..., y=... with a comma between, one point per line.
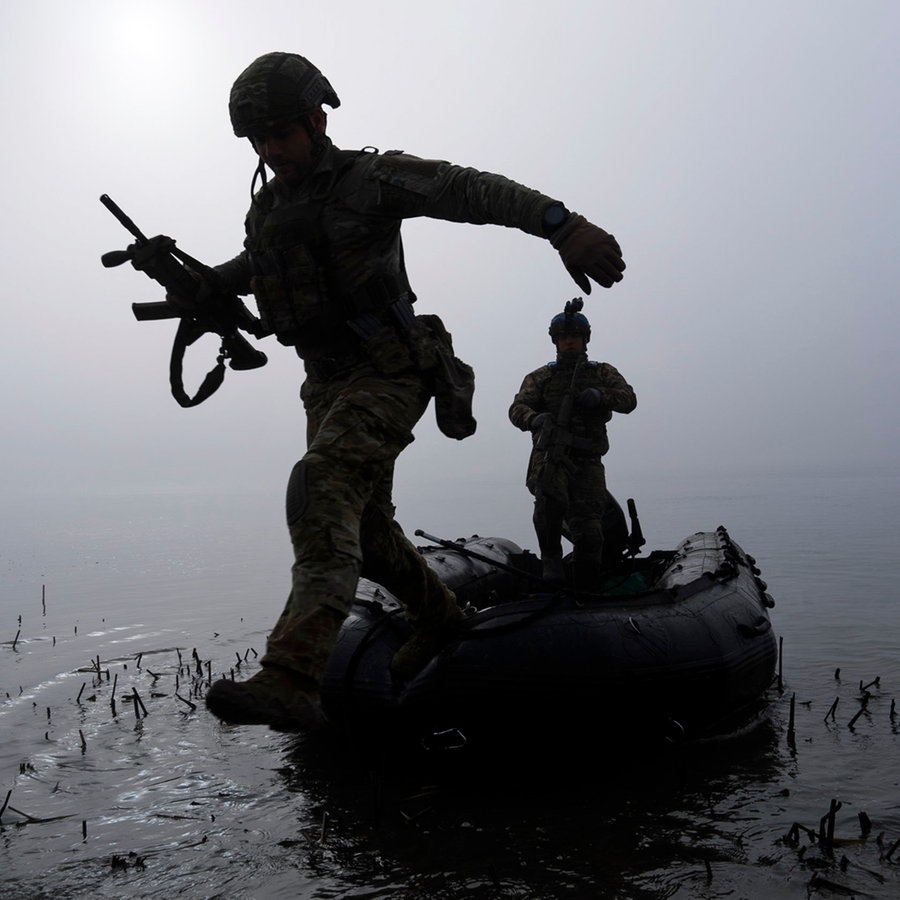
x=452, y=380
x=289, y=291
x=275, y=308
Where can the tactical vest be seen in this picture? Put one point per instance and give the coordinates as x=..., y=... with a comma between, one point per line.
x=591, y=429
x=308, y=297
x=331, y=282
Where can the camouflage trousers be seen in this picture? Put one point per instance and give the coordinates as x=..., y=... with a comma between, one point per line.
x=572, y=499
x=341, y=515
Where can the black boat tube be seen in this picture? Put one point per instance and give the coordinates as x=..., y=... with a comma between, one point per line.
x=465, y=551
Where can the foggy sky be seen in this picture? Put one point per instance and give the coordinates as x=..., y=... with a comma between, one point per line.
x=743, y=153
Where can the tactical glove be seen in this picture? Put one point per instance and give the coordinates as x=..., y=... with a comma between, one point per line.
x=152, y=255
x=539, y=421
x=590, y=398
x=587, y=250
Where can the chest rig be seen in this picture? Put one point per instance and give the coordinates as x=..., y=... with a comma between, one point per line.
x=560, y=384
x=319, y=267
x=587, y=432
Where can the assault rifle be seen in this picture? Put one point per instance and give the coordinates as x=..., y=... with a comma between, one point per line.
x=195, y=297
x=556, y=438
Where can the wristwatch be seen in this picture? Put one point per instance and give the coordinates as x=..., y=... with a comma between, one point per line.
x=553, y=216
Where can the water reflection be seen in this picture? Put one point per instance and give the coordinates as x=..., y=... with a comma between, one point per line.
x=567, y=825
x=178, y=799
x=176, y=804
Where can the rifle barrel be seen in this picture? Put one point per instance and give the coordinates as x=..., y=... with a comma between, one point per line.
x=116, y=210
x=465, y=551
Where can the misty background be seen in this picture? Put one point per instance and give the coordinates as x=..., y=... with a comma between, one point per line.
x=745, y=155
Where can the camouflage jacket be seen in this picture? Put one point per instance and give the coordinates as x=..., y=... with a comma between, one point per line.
x=327, y=252
x=544, y=390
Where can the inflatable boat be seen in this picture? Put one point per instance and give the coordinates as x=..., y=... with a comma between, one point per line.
x=676, y=645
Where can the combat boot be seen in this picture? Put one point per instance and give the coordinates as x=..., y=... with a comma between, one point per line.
x=553, y=570
x=273, y=696
x=588, y=572
x=428, y=638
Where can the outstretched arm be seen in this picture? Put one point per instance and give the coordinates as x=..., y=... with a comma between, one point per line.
x=410, y=186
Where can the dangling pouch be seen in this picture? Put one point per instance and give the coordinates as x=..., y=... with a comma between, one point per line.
x=453, y=381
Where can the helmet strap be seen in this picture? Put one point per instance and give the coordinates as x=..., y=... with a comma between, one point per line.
x=319, y=143
x=317, y=137
x=260, y=173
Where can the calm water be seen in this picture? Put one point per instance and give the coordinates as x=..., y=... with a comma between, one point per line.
x=106, y=804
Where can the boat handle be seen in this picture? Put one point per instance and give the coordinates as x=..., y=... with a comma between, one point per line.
x=760, y=627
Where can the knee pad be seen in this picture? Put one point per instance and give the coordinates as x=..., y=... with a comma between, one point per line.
x=297, y=494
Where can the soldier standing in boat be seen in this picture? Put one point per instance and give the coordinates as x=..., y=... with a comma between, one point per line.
x=566, y=405
x=323, y=258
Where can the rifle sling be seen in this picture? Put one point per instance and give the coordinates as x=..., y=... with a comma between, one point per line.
x=188, y=332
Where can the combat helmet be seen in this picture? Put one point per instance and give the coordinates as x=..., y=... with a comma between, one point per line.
x=571, y=321
x=277, y=87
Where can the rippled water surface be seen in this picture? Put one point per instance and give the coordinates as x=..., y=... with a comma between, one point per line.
x=106, y=600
